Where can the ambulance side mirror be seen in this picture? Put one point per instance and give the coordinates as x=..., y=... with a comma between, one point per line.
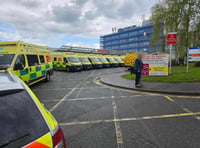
x=19, y=66
x=65, y=60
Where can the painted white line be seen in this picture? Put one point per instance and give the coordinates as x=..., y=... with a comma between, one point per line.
x=97, y=98
x=56, y=89
x=69, y=93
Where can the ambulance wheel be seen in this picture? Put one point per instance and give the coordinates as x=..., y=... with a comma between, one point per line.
x=48, y=77
x=67, y=69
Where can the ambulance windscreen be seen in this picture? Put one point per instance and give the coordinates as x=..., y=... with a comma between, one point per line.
x=73, y=59
x=6, y=59
x=84, y=60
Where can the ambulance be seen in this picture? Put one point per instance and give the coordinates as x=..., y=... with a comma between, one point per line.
x=96, y=63
x=32, y=63
x=130, y=59
x=106, y=64
x=66, y=61
x=119, y=60
x=112, y=61
x=86, y=64
x=122, y=57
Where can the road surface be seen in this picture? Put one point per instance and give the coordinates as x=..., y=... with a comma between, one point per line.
x=93, y=115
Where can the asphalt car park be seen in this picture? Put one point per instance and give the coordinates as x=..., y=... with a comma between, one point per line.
x=93, y=115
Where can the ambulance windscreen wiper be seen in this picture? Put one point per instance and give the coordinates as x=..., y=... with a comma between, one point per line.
x=14, y=141
x=4, y=66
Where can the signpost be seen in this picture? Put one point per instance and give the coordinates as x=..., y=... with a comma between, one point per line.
x=193, y=54
x=171, y=39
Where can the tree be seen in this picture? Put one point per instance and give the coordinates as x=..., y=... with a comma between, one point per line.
x=181, y=16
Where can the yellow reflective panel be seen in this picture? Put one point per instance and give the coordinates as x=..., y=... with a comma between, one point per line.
x=43, y=142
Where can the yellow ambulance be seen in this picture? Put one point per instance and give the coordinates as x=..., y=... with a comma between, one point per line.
x=66, y=61
x=96, y=63
x=122, y=57
x=86, y=64
x=130, y=59
x=112, y=61
x=106, y=64
x=119, y=60
x=32, y=63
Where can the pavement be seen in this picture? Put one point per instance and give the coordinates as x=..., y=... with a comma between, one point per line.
x=94, y=115
x=117, y=80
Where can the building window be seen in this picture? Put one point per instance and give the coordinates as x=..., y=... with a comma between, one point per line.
x=124, y=35
x=132, y=33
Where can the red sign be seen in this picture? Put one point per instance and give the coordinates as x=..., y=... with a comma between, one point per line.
x=171, y=38
x=103, y=51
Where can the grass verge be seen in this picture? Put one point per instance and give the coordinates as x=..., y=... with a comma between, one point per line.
x=178, y=75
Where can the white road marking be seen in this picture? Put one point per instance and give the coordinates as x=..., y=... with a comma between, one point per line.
x=62, y=100
x=96, y=98
x=69, y=93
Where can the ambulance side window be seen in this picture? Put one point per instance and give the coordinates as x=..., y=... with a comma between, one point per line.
x=42, y=59
x=65, y=60
x=55, y=59
x=19, y=63
x=32, y=60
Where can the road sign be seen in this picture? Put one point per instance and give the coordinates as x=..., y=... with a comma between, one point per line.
x=194, y=54
x=171, y=38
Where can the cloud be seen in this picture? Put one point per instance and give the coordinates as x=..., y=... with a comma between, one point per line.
x=81, y=44
x=10, y=36
x=66, y=13
x=50, y=20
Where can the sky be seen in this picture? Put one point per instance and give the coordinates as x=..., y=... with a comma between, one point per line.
x=55, y=23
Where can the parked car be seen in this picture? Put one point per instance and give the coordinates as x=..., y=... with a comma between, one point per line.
x=25, y=122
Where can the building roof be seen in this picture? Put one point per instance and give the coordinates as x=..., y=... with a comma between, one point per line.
x=127, y=29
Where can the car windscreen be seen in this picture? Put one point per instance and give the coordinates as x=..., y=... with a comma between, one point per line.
x=118, y=59
x=6, y=59
x=21, y=121
x=94, y=59
x=103, y=60
x=73, y=59
x=84, y=60
x=111, y=60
